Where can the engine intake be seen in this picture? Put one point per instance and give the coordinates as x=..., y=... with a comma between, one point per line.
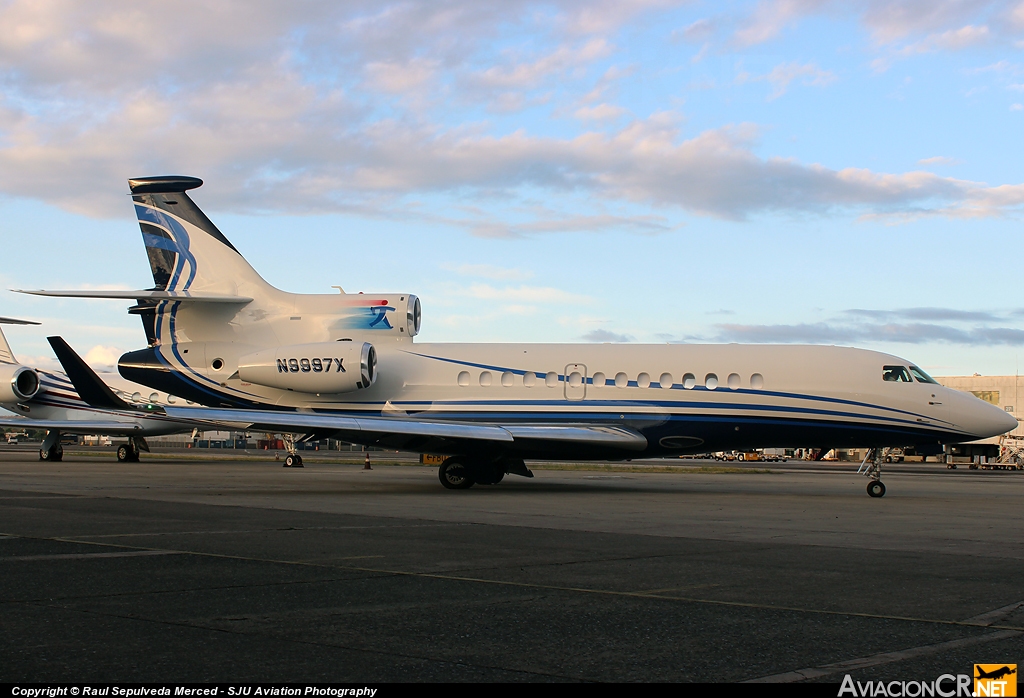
x=17, y=383
x=324, y=367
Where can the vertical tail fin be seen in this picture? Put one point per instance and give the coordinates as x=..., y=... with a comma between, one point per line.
x=6, y=355
x=186, y=250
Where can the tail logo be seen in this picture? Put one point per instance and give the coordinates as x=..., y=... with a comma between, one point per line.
x=370, y=317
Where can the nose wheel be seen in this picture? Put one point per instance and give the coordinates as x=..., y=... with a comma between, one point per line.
x=876, y=488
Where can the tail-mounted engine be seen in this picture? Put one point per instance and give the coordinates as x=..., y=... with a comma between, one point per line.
x=324, y=367
x=393, y=314
x=17, y=383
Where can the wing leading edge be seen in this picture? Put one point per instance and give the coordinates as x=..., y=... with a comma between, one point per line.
x=417, y=434
x=72, y=426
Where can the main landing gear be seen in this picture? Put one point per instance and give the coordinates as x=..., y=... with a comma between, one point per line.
x=462, y=472
x=873, y=470
x=51, y=449
x=293, y=459
x=129, y=452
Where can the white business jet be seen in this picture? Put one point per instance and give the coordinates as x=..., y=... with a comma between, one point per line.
x=79, y=402
x=347, y=366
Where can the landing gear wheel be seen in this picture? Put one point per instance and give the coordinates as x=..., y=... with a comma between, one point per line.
x=293, y=460
x=127, y=454
x=876, y=488
x=52, y=454
x=453, y=475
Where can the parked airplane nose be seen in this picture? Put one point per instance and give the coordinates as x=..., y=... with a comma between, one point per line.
x=978, y=417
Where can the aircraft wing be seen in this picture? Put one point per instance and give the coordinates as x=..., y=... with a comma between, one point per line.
x=410, y=432
x=74, y=426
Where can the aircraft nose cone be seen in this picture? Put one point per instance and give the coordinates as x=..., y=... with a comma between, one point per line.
x=1006, y=422
x=978, y=418
x=987, y=420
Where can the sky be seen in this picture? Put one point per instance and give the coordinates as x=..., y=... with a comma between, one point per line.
x=649, y=171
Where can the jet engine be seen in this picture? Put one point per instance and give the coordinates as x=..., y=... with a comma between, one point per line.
x=17, y=383
x=324, y=367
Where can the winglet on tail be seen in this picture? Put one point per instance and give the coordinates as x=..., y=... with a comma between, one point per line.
x=89, y=386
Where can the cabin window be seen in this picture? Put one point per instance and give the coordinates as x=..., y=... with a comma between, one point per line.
x=136, y=397
x=921, y=376
x=711, y=381
x=507, y=378
x=485, y=378
x=643, y=380
x=896, y=374
x=666, y=380
x=575, y=379
x=734, y=381
x=598, y=380
x=154, y=397
x=621, y=380
x=757, y=381
x=171, y=399
x=689, y=380
x=464, y=378
x=529, y=379
x=551, y=379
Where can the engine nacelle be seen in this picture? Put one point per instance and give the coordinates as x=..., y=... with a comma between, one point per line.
x=391, y=314
x=324, y=367
x=17, y=383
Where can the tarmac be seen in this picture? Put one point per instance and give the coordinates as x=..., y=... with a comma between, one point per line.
x=205, y=568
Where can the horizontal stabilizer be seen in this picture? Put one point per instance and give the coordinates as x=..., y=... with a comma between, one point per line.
x=88, y=385
x=15, y=321
x=73, y=426
x=142, y=295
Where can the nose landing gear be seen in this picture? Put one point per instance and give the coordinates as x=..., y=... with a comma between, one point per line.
x=873, y=470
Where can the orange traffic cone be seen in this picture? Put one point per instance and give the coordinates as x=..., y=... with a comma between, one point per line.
x=366, y=463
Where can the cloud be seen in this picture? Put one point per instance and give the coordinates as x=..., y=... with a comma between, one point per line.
x=528, y=74
x=783, y=74
x=770, y=18
x=927, y=314
x=940, y=160
x=293, y=109
x=274, y=144
x=907, y=326
x=606, y=336
x=695, y=33
x=949, y=25
x=101, y=357
x=401, y=77
x=600, y=112
x=1016, y=107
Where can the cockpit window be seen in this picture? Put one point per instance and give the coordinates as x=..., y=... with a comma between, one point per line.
x=897, y=374
x=921, y=376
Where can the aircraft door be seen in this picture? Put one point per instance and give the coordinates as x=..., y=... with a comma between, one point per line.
x=575, y=382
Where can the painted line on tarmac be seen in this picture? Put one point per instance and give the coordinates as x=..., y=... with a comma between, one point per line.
x=89, y=556
x=555, y=587
x=883, y=658
x=993, y=616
